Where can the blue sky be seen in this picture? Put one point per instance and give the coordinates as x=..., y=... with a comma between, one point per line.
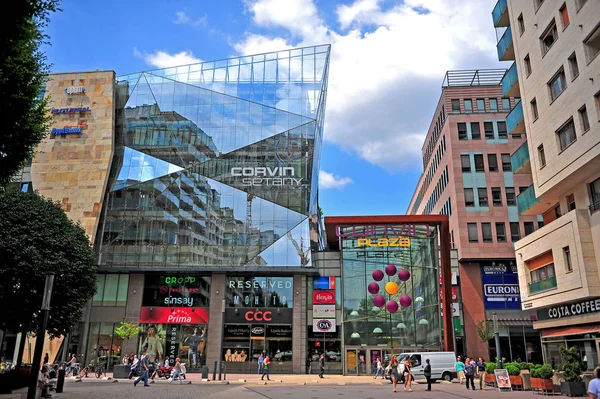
x=387, y=64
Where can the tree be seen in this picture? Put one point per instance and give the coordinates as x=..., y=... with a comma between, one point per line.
x=23, y=70
x=36, y=238
x=127, y=330
x=484, y=331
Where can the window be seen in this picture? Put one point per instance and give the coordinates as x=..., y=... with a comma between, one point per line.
x=482, y=194
x=479, y=163
x=573, y=66
x=506, y=104
x=595, y=195
x=475, y=131
x=591, y=44
x=521, y=23
x=522, y=188
x=566, y=135
x=549, y=37
x=480, y=105
x=465, y=163
x=488, y=128
x=492, y=163
x=486, y=232
x=557, y=85
x=564, y=15
x=527, y=63
x=557, y=212
x=528, y=228
x=502, y=132
x=506, y=163
x=472, y=230
x=500, y=232
x=469, y=198
x=468, y=106
x=537, y=4
x=540, y=224
x=543, y=273
x=111, y=290
x=534, y=110
x=515, y=234
x=568, y=263
x=579, y=4
x=455, y=106
x=597, y=102
x=24, y=187
x=571, y=202
x=583, y=119
x=496, y=196
x=462, y=131
x=516, y=136
x=493, y=105
x=542, y=155
x=511, y=198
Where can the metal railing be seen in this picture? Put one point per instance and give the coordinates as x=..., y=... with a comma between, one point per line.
x=526, y=199
x=474, y=77
x=498, y=11
x=520, y=158
x=542, y=285
x=594, y=206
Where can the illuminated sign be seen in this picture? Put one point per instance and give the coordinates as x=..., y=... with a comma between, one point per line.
x=267, y=176
x=324, y=311
x=176, y=290
x=159, y=315
x=324, y=325
x=258, y=316
x=574, y=309
x=75, y=90
x=69, y=110
x=501, y=289
x=270, y=283
x=324, y=283
x=384, y=242
x=67, y=130
x=385, y=230
x=324, y=297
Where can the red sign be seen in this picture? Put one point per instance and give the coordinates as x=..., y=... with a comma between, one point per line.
x=454, y=293
x=160, y=315
x=324, y=297
x=258, y=315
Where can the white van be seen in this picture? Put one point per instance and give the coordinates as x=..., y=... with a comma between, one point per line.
x=442, y=364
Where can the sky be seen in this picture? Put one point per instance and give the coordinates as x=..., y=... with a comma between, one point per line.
x=388, y=60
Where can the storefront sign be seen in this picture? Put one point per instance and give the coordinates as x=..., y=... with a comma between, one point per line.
x=69, y=110
x=324, y=325
x=279, y=331
x=172, y=347
x=324, y=311
x=573, y=309
x=258, y=331
x=380, y=230
x=260, y=292
x=453, y=278
x=75, y=90
x=67, y=130
x=384, y=242
x=454, y=294
x=237, y=331
x=267, y=176
x=170, y=315
x=324, y=283
x=500, y=286
x=176, y=290
x=258, y=316
x=324, y=297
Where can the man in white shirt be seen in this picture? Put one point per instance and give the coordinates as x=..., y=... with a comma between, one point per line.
x=594, y=387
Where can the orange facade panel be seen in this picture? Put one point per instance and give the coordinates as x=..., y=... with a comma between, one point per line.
x=540, y=260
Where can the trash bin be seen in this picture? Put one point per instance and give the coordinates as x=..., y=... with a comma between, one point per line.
x=205, y=372
x=60, y=382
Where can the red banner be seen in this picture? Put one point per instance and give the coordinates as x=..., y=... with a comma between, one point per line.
x=454, y=294
x=324, y=297
x=160, y=315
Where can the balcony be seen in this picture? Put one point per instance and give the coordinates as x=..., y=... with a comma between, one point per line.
x=515, y=124
x=505, y=47
x=528, y=203
x=510, y=82
x=542, y=285
x=500, y=14
x=520, y=160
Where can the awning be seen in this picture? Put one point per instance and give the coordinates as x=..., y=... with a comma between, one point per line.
x=513, y=321
x=570, y=330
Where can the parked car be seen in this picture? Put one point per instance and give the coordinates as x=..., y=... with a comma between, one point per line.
x=442, y=365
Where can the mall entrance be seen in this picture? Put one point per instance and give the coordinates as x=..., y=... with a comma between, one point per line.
x=363, y=361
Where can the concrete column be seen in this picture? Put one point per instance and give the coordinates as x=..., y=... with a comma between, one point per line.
x=133, y=309
x=299, y=328
x=215, y=319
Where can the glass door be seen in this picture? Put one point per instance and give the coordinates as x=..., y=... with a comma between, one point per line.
x=351, y=362
x=362, y=362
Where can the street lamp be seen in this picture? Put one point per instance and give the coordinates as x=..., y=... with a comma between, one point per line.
x=41, y=333
x=497, y=339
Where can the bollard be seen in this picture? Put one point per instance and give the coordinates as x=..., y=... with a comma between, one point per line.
x=224, y=372
x=60, y=382
x=215, y=371
x=205, y=372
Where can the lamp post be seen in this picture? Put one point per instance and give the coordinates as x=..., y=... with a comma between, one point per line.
x=222, y=333
x=497, y=339
x=39, y=341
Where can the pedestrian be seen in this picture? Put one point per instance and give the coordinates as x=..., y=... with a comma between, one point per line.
x=53, y=375
x=261, y=360
x=482, y=373
x=594, y=386
x=46, y=357
x=71, y=365
x=393, y=366
x=459, y=366
x=167, y=362
x=322, y=365
x=379, y=369
x=266, y=363
x=143, y=371
x=427, y=373
x=176, y=371
x=470, y=373
x=134, y=366
x=130, y=358
x=408, y=377
x=42, y=383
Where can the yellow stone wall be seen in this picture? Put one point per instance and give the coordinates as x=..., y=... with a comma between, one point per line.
x=73, y=169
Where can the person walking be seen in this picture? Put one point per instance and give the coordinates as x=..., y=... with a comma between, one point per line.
x=134, y=366
x=594, y=386
x=459, y=366
x=394, y=371
x=379, y=369
x=71, y=365
x=408, y=374
x=261, y=360
x=322, y=365
x=427, y=373
x=481, y=373
x=176, y=371
x=266, y=363
x=46, y=357
x=143, y=371
x=470, y=373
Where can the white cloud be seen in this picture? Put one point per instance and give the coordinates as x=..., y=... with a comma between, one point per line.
x=386, y=71
x=162, y=59
x=329, y=180
x=181, y=18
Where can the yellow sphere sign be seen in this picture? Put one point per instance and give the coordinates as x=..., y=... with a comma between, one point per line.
x=391, y=288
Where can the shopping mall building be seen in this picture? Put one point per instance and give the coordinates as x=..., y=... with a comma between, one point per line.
x=198, y=187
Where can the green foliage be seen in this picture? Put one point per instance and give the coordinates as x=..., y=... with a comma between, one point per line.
x=512, y=369
x=545, y=371
x=23, y=71
x=127, y=330
x=37, y=238
x=560, y=367
x=484, y=331
x=525, y=366
x=490, y=367
x=535, y=373
x=572, y=365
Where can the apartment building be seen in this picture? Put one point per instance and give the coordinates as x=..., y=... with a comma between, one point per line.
x=554, y=46
x=468, y=176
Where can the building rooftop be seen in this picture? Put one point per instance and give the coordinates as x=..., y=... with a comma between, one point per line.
x=475, y=77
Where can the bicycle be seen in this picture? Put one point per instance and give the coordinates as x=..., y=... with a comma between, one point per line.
x=100, y=370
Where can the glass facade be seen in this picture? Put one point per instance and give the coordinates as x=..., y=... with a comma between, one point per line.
x=216, y=164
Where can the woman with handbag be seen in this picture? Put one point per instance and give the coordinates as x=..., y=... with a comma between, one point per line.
x=407, y=374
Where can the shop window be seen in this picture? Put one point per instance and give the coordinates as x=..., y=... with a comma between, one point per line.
x=500, y=232
x=567, y=256
x=111, y=290
x=488, y=128
x=492, y=163
x=475, y=131
x=496, y=196
x=472, y=232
